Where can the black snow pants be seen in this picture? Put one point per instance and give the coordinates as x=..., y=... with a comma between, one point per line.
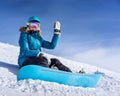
x=43, y=61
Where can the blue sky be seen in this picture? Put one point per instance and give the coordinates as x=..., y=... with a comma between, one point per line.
x=87, y=26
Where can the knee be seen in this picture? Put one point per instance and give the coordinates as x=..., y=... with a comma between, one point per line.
x=54, y=60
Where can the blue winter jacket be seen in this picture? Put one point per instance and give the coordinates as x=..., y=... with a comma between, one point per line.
x=30, y=45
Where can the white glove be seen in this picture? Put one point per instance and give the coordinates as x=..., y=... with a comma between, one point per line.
x=40, y=54
x=57, y=27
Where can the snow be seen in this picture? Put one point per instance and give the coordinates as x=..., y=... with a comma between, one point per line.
x=108, y=85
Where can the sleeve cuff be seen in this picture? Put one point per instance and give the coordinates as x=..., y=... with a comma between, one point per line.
x=57, y=33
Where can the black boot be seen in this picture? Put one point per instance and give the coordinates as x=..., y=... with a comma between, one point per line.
x=56, y=63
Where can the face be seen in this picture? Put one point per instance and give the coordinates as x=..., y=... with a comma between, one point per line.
x=35, y=26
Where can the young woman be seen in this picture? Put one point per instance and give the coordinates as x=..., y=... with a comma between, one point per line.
x=31, y=42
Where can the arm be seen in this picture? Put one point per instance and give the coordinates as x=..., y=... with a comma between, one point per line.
x=24, y=47
x=53, y=43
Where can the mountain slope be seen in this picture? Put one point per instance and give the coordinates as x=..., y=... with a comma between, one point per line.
x=109, y=85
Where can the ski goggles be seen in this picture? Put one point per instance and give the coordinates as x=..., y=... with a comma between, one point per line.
x=33, y=24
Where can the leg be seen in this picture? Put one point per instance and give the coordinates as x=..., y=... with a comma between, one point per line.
x=41, y=61
x=55, y=62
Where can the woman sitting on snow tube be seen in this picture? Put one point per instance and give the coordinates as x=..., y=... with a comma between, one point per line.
x=31, y=42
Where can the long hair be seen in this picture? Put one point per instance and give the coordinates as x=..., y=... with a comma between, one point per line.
x=26, y=29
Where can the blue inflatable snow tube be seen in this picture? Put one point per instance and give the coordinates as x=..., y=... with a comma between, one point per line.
x=47, y=74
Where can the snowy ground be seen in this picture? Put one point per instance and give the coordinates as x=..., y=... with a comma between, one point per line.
x=109, y=84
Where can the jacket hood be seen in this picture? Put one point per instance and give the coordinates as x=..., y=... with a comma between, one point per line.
x=25, y=29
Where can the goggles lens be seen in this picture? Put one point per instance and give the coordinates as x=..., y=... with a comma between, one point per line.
x=33, y=24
